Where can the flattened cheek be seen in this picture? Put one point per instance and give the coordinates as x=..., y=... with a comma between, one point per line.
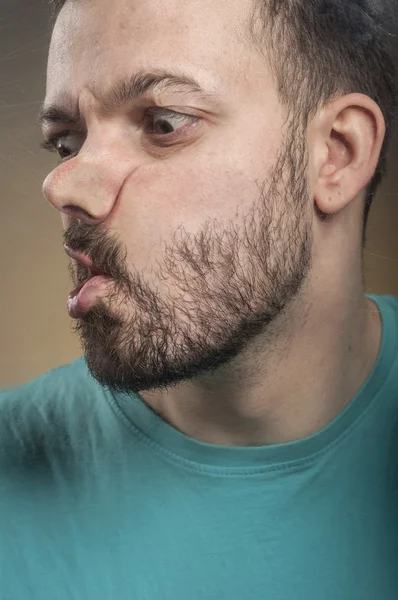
x=153, y=208
x=144, y=211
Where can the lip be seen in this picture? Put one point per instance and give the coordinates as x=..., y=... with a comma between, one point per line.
x=84, y=260
x=85, y=295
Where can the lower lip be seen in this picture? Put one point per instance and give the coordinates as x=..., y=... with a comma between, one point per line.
x=83, y=297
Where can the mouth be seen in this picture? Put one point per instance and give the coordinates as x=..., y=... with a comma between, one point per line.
x=92, y=272
x=85, y=295
x=83, y=260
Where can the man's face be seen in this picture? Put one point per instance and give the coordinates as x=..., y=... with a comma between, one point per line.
x=202, y=217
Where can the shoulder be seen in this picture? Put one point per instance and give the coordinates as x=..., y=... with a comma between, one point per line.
x=390, y=302
x=51, y=392
x=46, y=418
x=388, y=308
x=50, y=381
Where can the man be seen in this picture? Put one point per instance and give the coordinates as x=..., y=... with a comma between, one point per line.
x=232, y=429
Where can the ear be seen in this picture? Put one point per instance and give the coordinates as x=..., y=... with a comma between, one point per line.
x=345, y=139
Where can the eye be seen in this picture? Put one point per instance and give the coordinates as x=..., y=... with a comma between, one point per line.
x=166, y=122
x=163, y=123
x=65, y=143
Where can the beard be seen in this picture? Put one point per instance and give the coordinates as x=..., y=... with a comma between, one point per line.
x=225, y=288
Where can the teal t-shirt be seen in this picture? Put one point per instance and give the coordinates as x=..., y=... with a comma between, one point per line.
x=100, y=499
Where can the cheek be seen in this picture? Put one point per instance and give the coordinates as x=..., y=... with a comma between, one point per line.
x=163, y=198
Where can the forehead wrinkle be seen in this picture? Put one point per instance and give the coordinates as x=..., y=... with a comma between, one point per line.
x=139, y=84
x=131, y=88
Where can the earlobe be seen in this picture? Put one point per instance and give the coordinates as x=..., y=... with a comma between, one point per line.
x=352, y=130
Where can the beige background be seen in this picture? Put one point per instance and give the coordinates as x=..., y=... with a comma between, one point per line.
x=35, y=326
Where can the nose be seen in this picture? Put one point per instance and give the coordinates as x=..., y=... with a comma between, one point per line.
x=87, y=186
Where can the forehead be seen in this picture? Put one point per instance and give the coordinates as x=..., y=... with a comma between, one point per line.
x=94, y=41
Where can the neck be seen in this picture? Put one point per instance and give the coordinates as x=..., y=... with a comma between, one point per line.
x=289, y=384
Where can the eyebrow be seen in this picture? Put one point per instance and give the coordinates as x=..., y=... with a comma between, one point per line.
x=125, y=91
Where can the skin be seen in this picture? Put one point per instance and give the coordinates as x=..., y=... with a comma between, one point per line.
x=236, y=309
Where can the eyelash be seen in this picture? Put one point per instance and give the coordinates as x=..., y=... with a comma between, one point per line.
x=50, y=144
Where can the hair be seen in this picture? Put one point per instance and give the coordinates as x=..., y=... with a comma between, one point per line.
x=319, y=50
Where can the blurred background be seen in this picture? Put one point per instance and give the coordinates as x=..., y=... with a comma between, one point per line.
x=34, y=323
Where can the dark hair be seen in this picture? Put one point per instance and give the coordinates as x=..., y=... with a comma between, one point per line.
x=321, y=49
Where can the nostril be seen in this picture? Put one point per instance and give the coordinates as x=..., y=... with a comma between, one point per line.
x=79, y=213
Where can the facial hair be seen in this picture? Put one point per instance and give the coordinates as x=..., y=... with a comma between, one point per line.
x=227, y=284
